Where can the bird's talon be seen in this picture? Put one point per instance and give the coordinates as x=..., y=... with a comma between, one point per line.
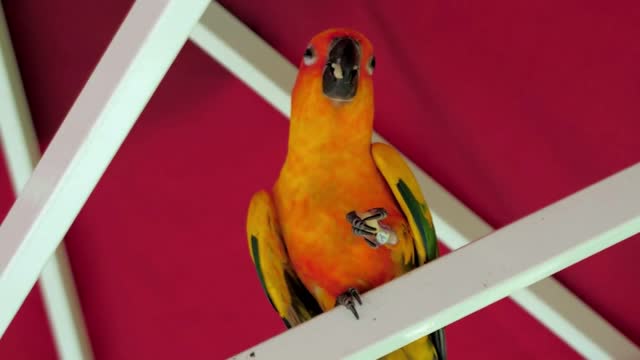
x=359, y=224
x=375, y=235
x=352, y=307
x=356, y=295
x=347, y=299
x=376, y=214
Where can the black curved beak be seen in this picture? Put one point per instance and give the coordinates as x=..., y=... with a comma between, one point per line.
x=340, y=77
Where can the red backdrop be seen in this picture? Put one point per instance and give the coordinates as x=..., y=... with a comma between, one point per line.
x=510, y=105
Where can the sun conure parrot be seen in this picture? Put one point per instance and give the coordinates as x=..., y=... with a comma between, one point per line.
x=344, y=215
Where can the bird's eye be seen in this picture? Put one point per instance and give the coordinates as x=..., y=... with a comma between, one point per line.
x=372, y=65
x=309, y=57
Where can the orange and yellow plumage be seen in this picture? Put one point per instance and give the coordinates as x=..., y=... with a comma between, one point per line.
x=298, y=234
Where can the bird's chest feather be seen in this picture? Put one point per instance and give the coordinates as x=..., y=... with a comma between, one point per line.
x=312, y=205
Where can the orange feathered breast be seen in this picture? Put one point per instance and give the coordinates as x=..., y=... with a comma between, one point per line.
x=312, y=205
x=329, y=171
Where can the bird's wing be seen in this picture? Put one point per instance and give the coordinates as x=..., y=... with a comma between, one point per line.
x=285, y=291
x=407, y=193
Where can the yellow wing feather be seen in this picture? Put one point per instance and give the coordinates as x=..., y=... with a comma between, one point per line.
x=394, y=169
x=286, y=293
x=407, y=193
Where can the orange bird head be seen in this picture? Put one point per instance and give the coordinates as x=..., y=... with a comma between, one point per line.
x=333, y=93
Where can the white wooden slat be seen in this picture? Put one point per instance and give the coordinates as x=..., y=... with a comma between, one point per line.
x=21, y=153
x=128, y=73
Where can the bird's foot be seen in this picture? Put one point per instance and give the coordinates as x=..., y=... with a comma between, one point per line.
x=369, y=227
x=348, y=299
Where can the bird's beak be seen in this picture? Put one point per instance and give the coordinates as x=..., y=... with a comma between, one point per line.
x=340, y=77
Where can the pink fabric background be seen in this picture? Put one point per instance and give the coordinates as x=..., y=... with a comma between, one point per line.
x=509, y=105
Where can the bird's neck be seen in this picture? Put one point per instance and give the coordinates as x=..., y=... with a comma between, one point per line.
x=327, y=140
x=322, y=128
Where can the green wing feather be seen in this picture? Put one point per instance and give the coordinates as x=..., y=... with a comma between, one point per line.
x=407, y=193
x=425, y=228
x=286, y=293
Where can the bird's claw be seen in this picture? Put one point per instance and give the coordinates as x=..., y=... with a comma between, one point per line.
x=348, y=299
x=372, y=235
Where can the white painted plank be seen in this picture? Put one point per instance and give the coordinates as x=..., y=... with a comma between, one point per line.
x=470, y=278
x=246, y=55
x=548, y=301
x=21, y=153
x=114, y=96
x=272, y=76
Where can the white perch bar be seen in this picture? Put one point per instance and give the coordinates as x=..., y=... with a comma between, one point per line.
x=470, y=278
x=128, y=73
x=21, y=153
x=272, y=76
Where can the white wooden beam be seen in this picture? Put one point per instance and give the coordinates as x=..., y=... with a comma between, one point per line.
x=470, y=278
x=21, y=153
x=272, y=76
x=128, y=73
